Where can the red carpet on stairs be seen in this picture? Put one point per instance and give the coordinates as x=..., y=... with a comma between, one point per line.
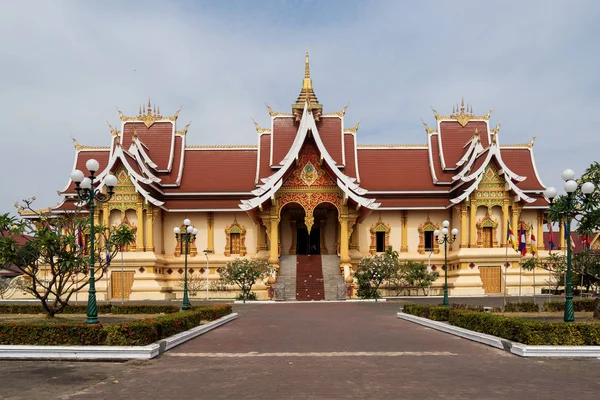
x=309, y=278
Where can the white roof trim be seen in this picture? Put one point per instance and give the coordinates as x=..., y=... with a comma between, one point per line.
x=537, y=175
x=144, y=154
x=431, y=167
x=135, y=152
x=467, y=192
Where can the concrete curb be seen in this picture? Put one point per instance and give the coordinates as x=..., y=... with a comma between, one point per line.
x=108, y=353
x=308, y=302
x=518, y=349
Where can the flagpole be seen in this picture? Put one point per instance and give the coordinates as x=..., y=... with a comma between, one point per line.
x=122, y=279
x=505, y=271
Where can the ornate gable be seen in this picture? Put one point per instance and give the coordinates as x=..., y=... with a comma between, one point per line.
x=309, y=171
x=491, y=190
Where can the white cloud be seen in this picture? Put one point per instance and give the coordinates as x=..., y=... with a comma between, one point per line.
x=66, y=65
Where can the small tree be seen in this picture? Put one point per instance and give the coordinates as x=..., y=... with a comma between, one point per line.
x=372, y=271
x=244, y=273
x=54, y=258
x=196, y=282
x=418, y=276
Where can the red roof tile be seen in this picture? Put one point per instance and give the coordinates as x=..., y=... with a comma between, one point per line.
x=349, y=146
x=284, y=133
x=157, y=138
x=194, y=204
x=453, y=137
x=264, y=168
x=82, y=157
x=330, y=131
x=519, y=161
x=412, y=202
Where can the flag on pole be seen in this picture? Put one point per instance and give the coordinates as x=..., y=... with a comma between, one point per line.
x=585, y=239
x=569, y=240
x=534, y=250
x=79, y=238
x=522, y=242
x=107, y=257
x=510, y=238
x=550, y=236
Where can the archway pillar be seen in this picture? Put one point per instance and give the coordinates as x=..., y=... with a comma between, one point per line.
x=344, y=242
x=505, y=218
x=274, y=241
x=472, y=225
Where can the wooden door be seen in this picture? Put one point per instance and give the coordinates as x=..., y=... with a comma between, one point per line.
x=121, y=283
x=235, y=243
x=490, y=276
x=488, y=241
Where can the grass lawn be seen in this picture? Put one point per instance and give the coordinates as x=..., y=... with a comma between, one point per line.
x=553, y=316
x=74, y=318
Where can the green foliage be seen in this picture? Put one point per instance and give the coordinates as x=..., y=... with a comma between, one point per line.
x=244, y=273
x=418, y=276
x=137, y=333
x=431, y=311
x=251, y=296
x=586, y=305
x=524, y=306
x=526, y=331
x=103, y=308
x=372, y=271
x=49, y=256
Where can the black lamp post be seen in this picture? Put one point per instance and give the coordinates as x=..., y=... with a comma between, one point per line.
x=570, y=187
x=445, y=240
x=185, y=238
x=89, y=195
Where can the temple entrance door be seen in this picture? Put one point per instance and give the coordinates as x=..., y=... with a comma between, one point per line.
x=308, y=243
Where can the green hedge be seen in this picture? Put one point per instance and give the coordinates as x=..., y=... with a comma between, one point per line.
x=526, y=331
x=138, y=333
x=431, y=311
x=524, y=306
x=578, y=305
x=105, y=308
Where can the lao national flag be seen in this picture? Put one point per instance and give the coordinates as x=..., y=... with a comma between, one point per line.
x=534, y=250
x=550, y=236
x=523, y=242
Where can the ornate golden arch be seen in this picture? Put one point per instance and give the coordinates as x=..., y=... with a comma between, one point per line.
x=487, y=222
x=427, y=226
x=309, y=201
x=379, y=226
x=235, y=228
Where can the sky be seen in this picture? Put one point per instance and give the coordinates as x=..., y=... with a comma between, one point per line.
x=66, y=65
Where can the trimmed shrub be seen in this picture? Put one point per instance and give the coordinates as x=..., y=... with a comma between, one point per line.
x=439, y=313
x=524, y=306
x=38, y=309
x=420, y=310
x=470, y=307
x=578, y=305
x=526, y=331
x=144, y=309
x=137, y=333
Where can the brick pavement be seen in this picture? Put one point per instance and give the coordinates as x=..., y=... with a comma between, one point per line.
x=399, y=359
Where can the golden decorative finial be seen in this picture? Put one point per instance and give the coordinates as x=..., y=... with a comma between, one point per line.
x=134, y=134
x=496, y=129
x=154, y=109
x=158, y=110
x=427, y=128
x=354, y=129
x=149, y=102
x=435, y=114
x=271, y=112
x=140, y=111
x=183, y=131
x=113, y=131
x=121, y=115
x=453, y=109
x=306, y=67
x=462, y=102
x=76, y=144
x=530, y=144
x=471, y=109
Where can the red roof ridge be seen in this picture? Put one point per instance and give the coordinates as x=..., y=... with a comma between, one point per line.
x=222, y=147
x=391, y=146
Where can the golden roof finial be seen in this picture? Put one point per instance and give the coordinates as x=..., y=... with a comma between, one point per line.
x=75, y=143
x=453, y=109
x=149, y=102
x=306, y=67
x=113, y=131
x=140, y=111
x=158, y=110
x=462, y=102
x=154, y=109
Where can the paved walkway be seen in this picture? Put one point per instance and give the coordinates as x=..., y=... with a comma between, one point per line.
x=311, y=351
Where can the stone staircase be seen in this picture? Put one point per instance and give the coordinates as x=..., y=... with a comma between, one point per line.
x=287, y=276
x=309, y=278
x=331, y=276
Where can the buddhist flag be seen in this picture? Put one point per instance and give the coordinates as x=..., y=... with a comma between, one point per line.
x=522, y=241
x=550, y=236
x=569, y=239
x=79, y=238
x=107, y=257
x=510, y=238
x=534, y=250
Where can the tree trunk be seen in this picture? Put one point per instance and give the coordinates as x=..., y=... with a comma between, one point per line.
x=597, y=308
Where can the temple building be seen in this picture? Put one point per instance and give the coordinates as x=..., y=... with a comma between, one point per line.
x=313, y=202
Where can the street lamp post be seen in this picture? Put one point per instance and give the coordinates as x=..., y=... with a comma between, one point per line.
x=186, y=237
x=88, y=194
x=206, y=253
x=587, y=188
x=445, y=240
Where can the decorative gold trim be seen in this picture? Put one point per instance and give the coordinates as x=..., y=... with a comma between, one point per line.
x=496, y=129
x=461, y=114
x=183, y=131
x=428, y=129
x=113, y=131
x=487, y=222
x=235, y=228
x=150, y=117
x=223, y=146
x=277, y=114
x=354, y=129
x=379, y=226
x=426, y=227
x=259, y=129
x=337, y=113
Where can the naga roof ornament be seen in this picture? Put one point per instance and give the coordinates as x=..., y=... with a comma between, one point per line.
x=150, y=116
x=462, y=114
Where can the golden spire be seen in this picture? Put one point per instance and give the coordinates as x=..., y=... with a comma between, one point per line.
x=307, y=94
